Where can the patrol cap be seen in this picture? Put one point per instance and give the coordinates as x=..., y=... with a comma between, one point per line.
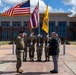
x=21, y=32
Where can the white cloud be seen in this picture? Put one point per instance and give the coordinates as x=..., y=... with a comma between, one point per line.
x=13, y=2
x=67, y=1
x=33, y=3
x=72, y=3
x=58, y=10
x=73, y=10
x=42, y=6
x=1, y=4
x=5, y=8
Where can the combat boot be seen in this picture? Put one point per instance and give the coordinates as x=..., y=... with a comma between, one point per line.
x=46, y=59
x=32, y=59
x=19, y=71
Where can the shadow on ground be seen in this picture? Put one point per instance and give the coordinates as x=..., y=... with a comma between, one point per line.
x=10, y=72
x=34, y=73
x=7, y=61
x=27, y=73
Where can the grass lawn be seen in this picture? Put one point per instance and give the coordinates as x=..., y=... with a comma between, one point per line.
x=4, y=42
x=72, y=42
x=7, y=42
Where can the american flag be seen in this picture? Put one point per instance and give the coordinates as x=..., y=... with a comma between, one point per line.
x=20, y=9
x=34, y=19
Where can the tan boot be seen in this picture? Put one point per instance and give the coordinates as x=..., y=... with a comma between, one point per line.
x=19, y=71
x=32, y=59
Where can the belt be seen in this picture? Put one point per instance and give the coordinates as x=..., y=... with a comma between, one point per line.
x=20, y=48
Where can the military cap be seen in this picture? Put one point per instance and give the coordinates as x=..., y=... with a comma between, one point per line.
x=21, y=32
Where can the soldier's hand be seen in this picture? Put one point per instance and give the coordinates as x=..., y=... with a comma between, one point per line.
x=47, y=46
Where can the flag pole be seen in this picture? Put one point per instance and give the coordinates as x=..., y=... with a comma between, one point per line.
x=48, y=18
x=39, y=23
x=39, y=20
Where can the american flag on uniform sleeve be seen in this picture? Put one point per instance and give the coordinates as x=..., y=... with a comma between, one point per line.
x=34, y=19
x=19, y=9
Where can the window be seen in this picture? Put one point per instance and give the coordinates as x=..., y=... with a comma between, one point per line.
x=72, y=24
x=51, y=27
x=19, y=24
x=70, y=34
x=39, y=29
x=18, y=32
x=36, y=31
x=62, y=28
x=14, y=34
x=5, y=24
x=25, y=24
x=16, y=24
x=5, y=35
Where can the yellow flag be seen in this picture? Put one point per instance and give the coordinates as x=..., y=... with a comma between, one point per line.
x=45, y=21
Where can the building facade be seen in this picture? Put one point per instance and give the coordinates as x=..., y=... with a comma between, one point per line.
x=60, y=23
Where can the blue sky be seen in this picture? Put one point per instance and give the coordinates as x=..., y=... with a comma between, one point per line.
x=54, y=5
x=57, y=4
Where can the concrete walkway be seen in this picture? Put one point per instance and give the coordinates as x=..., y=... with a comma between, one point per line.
x=67, y=63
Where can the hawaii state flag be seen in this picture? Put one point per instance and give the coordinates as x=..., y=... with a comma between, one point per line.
x=34, y=19
x=19, y=9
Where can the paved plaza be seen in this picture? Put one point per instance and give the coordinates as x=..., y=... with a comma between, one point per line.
x=67, y=62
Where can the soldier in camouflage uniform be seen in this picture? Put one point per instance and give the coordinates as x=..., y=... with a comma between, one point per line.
x=25, y=49
x=19, y=41
x=39, y=47
x=32, y=41
x=47, y=40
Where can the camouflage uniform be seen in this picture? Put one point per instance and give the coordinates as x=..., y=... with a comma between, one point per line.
x=19, y=51
x=25, y=49
x=32, y=41
x=47, y=40
x=39, y=47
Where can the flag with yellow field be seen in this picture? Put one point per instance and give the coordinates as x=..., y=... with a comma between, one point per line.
x=45, y=21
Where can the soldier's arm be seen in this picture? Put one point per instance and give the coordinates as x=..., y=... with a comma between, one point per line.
x=35, y=40
x=19, y=42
